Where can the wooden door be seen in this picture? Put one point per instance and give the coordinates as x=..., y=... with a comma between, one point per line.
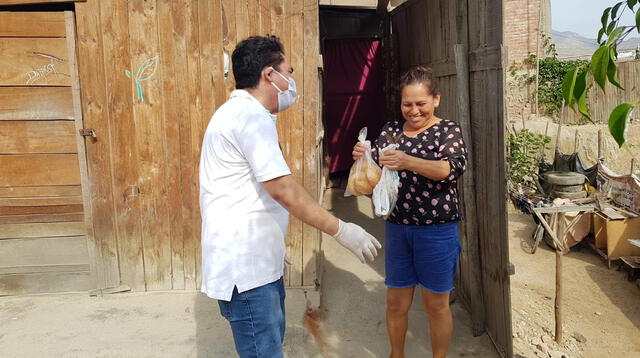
x=44, y=225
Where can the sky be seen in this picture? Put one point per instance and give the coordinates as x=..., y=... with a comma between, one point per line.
x=583, y=16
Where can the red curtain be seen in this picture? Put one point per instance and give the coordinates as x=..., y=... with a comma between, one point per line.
x=353, y=96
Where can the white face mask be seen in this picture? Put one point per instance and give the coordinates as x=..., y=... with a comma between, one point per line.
x=288, y=97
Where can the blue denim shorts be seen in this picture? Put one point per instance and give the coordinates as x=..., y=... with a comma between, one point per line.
x=257, y=320
x=421, y=255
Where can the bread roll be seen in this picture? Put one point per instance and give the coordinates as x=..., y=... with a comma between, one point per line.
x=361, y=183
x=351, y=183
x=373, y=175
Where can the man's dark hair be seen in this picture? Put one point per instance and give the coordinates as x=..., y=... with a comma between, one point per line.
x=252, y=55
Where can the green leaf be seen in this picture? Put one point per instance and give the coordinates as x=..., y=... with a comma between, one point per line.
x=126, y=72
x=612, y=69
x=614, y=12
x=614, y=35
x=600, y=65
x=612, y=25
x=568, y=84
x=580, y=94
x=600, y=34
x=148, y=69
x=638, y=20
x=605, y=17
x=618, y=121
x=631, y=3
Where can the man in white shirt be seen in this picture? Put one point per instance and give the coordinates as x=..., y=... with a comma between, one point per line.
x=246, y=195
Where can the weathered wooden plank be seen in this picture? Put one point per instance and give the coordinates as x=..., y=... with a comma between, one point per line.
x=34, y=62
x=264, y=22
x=40, y=218
x=60, y=250
x=156, y=238
x=32, y=24
x=92, y=249
x=23, y=284
x=253, y=9
x=36, y=191
x=173, y=52
x=427, y=42
x=294, y=28
x=14, y=231
x=242, y=21
x=470, y=256
x=229, y=40
x=189, y=155
x=31, y=170
x=213, y=90
x=190, y=149
x=35, y=269
x=24, y=2
x=20, y=103
x=91, y=69
x=32, y=210
x=278, y=27
x=30, y=137
x=41, y=201
x=121, y=91
x=311, y=122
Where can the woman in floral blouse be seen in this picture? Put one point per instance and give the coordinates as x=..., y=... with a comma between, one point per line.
x=422, y=244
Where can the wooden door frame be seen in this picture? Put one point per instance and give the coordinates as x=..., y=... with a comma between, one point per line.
x=95, y=261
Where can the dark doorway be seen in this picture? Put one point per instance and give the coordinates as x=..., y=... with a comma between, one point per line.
x=353, y=81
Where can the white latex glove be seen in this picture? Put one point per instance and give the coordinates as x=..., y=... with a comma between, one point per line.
x=357, y=240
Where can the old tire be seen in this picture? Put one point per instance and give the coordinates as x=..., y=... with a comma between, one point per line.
x=569, y=194
x=568, y=188
x=565, y=178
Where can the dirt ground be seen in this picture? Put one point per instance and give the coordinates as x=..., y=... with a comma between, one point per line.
x=601, y=308
x=188, y=324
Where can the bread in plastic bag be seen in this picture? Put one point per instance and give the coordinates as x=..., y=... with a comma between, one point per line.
x=385, y=194
x=365, y=172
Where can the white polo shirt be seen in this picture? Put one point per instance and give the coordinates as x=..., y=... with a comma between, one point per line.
x=243, y=228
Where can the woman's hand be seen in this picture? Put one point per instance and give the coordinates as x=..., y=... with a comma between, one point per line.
x=358, y=151
x=395, y=159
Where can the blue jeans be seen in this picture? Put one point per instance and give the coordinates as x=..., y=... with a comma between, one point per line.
x=257, y=320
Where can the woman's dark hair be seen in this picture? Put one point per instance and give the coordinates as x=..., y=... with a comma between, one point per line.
x=420, y=74
x=252, y=55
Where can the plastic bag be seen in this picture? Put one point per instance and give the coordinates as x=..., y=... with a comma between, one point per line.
x=385, y=194
x=364, y=173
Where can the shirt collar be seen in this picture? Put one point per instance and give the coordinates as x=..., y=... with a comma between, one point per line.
x=240, y=93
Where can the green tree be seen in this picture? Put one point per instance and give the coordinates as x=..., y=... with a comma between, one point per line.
x=603, y=69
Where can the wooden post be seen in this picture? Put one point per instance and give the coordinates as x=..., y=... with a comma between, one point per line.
x=538, y=33
x=546, y=129
x=558, y=300
x=471, y=244
x=546, y=133
x=559, y=253
x=562, y=110
x=599, y=144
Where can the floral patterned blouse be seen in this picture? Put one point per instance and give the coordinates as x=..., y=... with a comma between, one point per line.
x=422, y=201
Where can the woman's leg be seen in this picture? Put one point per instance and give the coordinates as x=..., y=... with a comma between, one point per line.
x=398, y=305
x=440, y=321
